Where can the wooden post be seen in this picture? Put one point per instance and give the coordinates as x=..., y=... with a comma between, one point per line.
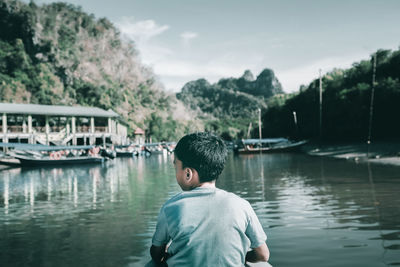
x=320, y=107
x=296, y=129
x=91, y=138
x=5, y=139
x=4, y=123
x=47, y=130
x=109, y=125
x=30, y=132
x=371, y=106
x=248, y=130
x=29, y=123
x=73, y=126
x=259, y=127
x=24, y=125
x=92, y=125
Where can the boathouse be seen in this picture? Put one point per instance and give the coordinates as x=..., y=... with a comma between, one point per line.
x=139, y=136
x=60, y=125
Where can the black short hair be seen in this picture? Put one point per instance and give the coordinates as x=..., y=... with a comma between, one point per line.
x=204, y=152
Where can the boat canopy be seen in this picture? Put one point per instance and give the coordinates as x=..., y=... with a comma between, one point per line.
x=146, y=144
x=39, y=147
x=264, y=141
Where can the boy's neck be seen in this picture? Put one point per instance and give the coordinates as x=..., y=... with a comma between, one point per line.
x=207, y=184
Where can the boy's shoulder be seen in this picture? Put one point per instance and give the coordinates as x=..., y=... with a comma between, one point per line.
x=233, y=198
x=172, y=199
x=217, y=193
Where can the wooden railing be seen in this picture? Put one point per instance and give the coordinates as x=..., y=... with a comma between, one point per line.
x=101, y=129
x=39, y=129
x=54, y=129
x=15, y=129
x=83, y=129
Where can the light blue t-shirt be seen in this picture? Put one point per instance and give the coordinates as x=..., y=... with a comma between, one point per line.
x=208, y=227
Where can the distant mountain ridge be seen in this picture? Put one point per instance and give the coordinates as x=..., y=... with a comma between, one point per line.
x=236, y=99
x=266, y=84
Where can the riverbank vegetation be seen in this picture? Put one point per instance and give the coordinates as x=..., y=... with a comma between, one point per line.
x=345, y=105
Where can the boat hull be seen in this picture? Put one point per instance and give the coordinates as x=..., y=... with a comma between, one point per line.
x=126, y=154
x=9, y=162
x=27, y=161
x=292, y=147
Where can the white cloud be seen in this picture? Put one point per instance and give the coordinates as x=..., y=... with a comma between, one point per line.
x=175, y=73
x=140, y=31
x=185, y=68
x=188, y=36
x=143, y=33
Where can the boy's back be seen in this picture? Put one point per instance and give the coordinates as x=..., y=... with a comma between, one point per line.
x=205, y=225
x=209, y=227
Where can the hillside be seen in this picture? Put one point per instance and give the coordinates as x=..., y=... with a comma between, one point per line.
x=58, y=54
x=229, y=105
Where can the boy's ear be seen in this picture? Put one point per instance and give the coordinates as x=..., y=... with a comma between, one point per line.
x=188, y=173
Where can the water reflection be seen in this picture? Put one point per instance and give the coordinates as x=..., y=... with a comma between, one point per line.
x=81, y=215
x=314, y=210
x=319, y=205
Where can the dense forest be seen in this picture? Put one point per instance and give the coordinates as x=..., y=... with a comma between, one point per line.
x=58, y=54
x=346, y=102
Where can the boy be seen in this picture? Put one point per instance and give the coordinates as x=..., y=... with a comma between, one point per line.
x=206, y=226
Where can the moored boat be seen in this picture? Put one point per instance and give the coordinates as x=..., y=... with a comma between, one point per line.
x=269, y=145
x=127, y=150
x=42, y=155
x=7, y=160
x=121, y=153
x=27, y=160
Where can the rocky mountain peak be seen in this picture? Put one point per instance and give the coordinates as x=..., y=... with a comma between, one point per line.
x=248, y=76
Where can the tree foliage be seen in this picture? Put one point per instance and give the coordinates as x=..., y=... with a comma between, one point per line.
x=58, y=54
x=346, y=104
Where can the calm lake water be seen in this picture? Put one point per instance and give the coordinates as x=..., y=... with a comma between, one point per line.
x=315, y=211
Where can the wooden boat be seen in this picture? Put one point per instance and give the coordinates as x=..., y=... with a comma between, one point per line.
x=108, y=153
x=121, y=153
x=146, y=149
x=127, y=150
x=5, y=159
x=269, y=145
x=45, y=161
x=42, y=155
x=160, y=148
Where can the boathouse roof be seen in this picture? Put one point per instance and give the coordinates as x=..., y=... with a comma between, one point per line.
x=139, y=131
x=50, y=110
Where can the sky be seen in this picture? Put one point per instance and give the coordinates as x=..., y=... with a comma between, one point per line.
x=185, y=40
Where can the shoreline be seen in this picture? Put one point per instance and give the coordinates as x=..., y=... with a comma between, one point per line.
x=387, y=153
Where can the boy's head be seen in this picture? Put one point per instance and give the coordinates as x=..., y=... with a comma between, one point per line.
x=204, y=152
